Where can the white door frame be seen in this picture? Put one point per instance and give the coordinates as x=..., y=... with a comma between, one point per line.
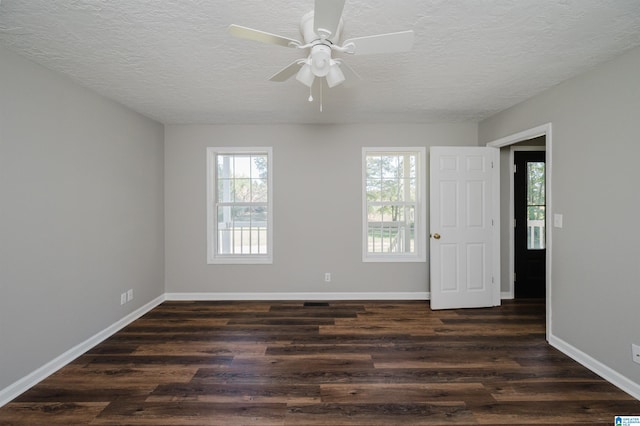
x=546, y=131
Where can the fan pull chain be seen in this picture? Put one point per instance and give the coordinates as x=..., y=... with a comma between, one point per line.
x=311, y=93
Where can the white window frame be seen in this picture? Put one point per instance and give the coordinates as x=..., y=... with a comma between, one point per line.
x=213, y=257
x=420, y=215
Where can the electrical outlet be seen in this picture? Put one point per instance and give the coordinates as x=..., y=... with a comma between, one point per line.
x=123, y=298
x=635, y=351
x=327, y=277
x=130, y=295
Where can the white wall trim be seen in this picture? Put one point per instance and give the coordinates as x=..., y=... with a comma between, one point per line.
x=596, y=366
x=542, y=130
x=14, y=390
x=300, y=296
x=505, y=295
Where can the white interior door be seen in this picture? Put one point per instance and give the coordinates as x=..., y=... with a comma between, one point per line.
x=464, y=227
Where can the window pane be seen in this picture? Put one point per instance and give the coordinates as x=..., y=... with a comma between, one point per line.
x=389, y=166
x=535, y=205
x=391, y=229
x=242, y=230
x=535, y=184
x=406, y=190
x=374, y=167
x=413, y=189
x=259, y=191
x=241, y=166
x=242, y=190
x=374, y=190
x=390, y=190
x=374, y=213
x=224, y=166
x=535, y=227
x=259, y=167
x=225, y=190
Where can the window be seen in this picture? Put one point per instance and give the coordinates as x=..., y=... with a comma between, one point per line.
x=536, y=206
x=394, y=216
x=239, y=205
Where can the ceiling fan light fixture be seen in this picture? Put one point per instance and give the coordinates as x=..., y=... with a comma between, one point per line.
x=320, y=60
x=305, y=75
x=335, y=75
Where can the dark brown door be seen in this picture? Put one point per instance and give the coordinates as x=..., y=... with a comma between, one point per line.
x=530, y=227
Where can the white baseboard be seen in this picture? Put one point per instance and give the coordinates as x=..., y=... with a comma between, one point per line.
x=596, y=366
x=300, y=296
x=14, y=390
x=506, y=295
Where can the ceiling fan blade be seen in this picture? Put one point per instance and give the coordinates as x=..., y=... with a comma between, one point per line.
x=261, y=36
x=381, y=43
x=326, y=16
x=287, y=72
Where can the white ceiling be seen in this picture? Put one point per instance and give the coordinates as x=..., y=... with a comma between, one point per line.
x=174, y=61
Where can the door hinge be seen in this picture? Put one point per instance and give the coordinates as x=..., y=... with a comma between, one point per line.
x=514, y=223
x=514, y=277
x=492, y=164
x=515, y=168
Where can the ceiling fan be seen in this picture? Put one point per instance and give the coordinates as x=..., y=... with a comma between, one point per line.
x=321, y=29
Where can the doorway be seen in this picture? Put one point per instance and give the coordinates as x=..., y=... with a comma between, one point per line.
x=545, y=131
x=529, y=200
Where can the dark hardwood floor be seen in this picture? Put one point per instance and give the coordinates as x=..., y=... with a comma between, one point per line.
x=366, y=363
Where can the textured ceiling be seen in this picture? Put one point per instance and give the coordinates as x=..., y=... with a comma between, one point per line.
x=174, y=61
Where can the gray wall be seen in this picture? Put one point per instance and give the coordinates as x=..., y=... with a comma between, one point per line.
x=596, y=255
x=81, y=214
x=317, y=207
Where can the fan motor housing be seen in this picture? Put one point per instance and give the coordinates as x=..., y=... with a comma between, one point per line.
x=308, y=33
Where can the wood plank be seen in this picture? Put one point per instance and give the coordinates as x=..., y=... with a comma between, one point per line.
x=557, y=390
x=380, y=414
x=543, y=412
x=404, y=393
x=190, y=413
x=119, y=377
x=50, y=413
x=230, y=393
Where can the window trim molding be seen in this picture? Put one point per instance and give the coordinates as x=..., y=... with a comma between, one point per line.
x=213, y=258
x=421, y=232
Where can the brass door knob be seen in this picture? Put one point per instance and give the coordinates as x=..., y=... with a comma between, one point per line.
x=436, y=236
